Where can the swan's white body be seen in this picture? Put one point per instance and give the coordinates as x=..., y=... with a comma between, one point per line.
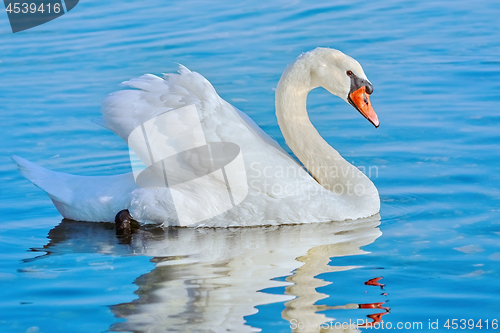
x=280, y=191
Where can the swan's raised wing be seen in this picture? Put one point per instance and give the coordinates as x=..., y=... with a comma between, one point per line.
x=125, y=110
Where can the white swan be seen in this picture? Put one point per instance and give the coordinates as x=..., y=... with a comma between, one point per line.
x=279, y=190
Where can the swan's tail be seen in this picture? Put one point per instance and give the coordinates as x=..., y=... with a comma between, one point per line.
x=55, y=184
x=81, y=198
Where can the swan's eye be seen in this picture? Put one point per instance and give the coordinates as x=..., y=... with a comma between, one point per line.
x=349, y=73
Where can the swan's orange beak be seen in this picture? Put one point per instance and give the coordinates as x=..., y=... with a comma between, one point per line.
x=361, y=101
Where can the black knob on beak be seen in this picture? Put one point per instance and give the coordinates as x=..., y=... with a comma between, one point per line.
x=369, y=88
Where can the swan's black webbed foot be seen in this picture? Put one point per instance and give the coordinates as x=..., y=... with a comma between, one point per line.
x=125, y=225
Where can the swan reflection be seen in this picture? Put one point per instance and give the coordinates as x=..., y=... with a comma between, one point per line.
x=211, y=279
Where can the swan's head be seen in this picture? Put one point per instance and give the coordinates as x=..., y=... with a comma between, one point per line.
x=342, y=76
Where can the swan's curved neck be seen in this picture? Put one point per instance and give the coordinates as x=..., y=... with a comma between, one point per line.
x=326, y=165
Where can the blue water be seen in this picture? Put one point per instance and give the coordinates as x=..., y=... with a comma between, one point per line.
x=435, y=68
